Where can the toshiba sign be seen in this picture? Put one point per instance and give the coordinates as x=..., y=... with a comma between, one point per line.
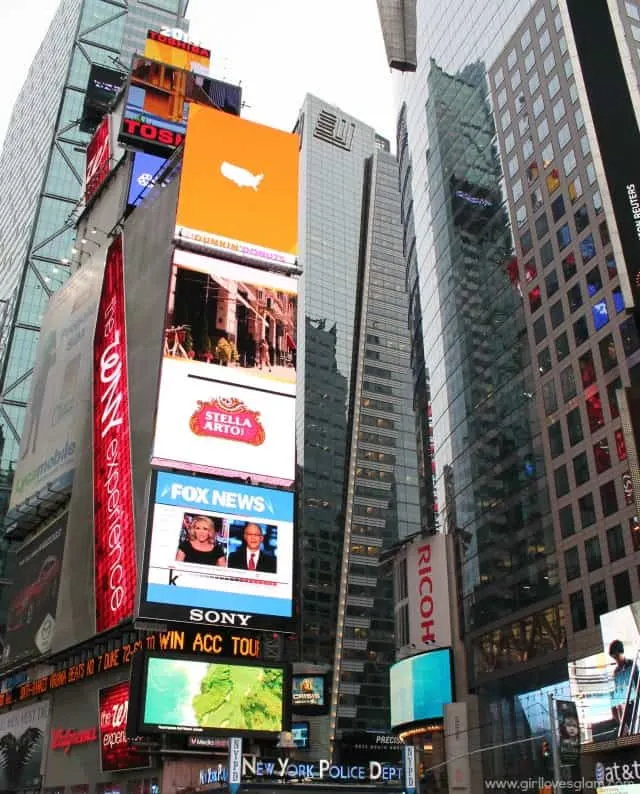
x=423, y=562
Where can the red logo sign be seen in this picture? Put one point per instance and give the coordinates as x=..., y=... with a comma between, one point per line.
x=62, y=739
x=114, y=546
x=425, y=589
x=135, y=130
x=227, y=417
x=627, y=487
x=115, y=752
x=98, y=159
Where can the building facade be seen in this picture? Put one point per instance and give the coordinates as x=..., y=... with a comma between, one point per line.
x=37, y=216
x=356, y=425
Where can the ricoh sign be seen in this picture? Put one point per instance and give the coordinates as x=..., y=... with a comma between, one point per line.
x=428, y=592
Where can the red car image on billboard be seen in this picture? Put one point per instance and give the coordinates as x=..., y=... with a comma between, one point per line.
x=32, y=606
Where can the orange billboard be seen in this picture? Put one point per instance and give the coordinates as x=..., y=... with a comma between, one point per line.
x=239, y=188
x=174, y=52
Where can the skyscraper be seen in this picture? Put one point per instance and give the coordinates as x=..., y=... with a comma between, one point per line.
x=468, y=321
x=41, y=177
x=356, y=426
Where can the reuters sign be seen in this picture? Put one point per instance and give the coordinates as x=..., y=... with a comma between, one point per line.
x=114, y=539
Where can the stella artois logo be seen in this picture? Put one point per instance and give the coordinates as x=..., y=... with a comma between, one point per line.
x=227, y=417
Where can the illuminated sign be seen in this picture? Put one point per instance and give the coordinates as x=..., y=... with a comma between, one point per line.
x=116, y=754
x=192, y=641
x=216, y=546
x=63, y=739
x=172, y=46
x=206, y=425
x=420, y=687
x=114, y=528
x=180, y=694
x=23, y=735
x=308, y=693
x=157, y=103
x=102, y=88
x=98, y=159
x=252, y=341
x=143, y=170
x=319, y=770
x=251, y=176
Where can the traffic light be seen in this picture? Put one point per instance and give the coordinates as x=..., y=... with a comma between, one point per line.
x=546, y=750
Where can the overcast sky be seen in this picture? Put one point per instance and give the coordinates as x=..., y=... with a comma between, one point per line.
x=279, y=49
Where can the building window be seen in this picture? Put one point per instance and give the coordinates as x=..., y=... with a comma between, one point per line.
x=569, y=267
x=539, y=330
x=634, y=529
x=562, y=481
x=564, y=236
x=612, y=388
x=556, y=314
x=553, y=181
x=600, y=314
x=581, y=217
x=534, y=83
x=558, y=110
x=572, y=563
x=608, y=498
x=540, y=19
x=542, y=226
x=581, y=468
x=618, y=300
x=594, y=282
x=574, y=298
x=608, y=354
x=543, y=130
x=536, y=199
x=544, y=361
x=552, y=284
x=622, y=589
x=580, y=331
x=567, y=524
x=505, y=120
x=517, y=190
x=562, y=346
x=555, y=439
x=509, y=142
x=574, y=426
x=591, y=173
x=575, y=190
x=602, y=456
x=569, y=162
x=545, y=41
x=547, y=155
x=557, y=208
x=527, y=148
x=584, y=145
x=526, y=242
x=529, y=61
x=629, y=336
x=499, y=77
x=546, y=253
x=594, y=412
x=535, y=300
x=621, y=447
x=592, y=554
x=532, y=175
x=564, y=135
x=615, y=543
x=568, y=383
x=587, y=248
x=597, y=203
x=538, y=106
x=587, y=510
x=521, y=216
x=549, y=63
x=549, y=398
x=513, y=166
x=605, y=239
x=578, y=611
x=587, y=369
x=599, y=600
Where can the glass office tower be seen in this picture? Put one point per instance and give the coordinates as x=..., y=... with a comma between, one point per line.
x=41, y=176
x=356, y=424
x=469, y=326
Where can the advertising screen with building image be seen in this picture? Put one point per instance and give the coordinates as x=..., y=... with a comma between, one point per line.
x=181, y=694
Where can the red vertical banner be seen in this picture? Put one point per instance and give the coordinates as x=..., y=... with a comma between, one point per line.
x=98, y=158
x=116, y=754
x=114, y=528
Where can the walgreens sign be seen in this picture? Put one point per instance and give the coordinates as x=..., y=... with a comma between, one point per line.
x=114, y=541
x=98, y=159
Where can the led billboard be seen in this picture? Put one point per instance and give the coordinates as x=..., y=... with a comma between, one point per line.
x=102, y=88
x=182, y=54
x=300, y=732
x=605, y=685
x=98, y=159
x=114, y=528
x=60, y=387
x=157, y=104
x=116, y=754
x=22, y=745
x=213, y=427
x=249, y=172
x=35, y=575
x=185, y=695
x=233, y=323
x=420, y=687
x=218, y=547
x=308, y=694
x=143, y=170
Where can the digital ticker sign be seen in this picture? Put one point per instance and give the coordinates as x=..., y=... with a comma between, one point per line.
x=222, y=643
x=218, y=553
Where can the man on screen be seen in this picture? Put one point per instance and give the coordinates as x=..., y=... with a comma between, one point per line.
x=251, y=556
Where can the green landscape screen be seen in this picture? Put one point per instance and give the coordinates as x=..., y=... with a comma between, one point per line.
x=192, y=696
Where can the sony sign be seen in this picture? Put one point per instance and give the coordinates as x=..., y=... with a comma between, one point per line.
x=114, y=539
x=427, y=591
x=215, y=618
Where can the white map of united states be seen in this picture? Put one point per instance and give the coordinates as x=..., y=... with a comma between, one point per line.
x=240, y=176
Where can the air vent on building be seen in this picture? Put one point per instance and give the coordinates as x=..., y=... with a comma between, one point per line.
x=334, y=130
